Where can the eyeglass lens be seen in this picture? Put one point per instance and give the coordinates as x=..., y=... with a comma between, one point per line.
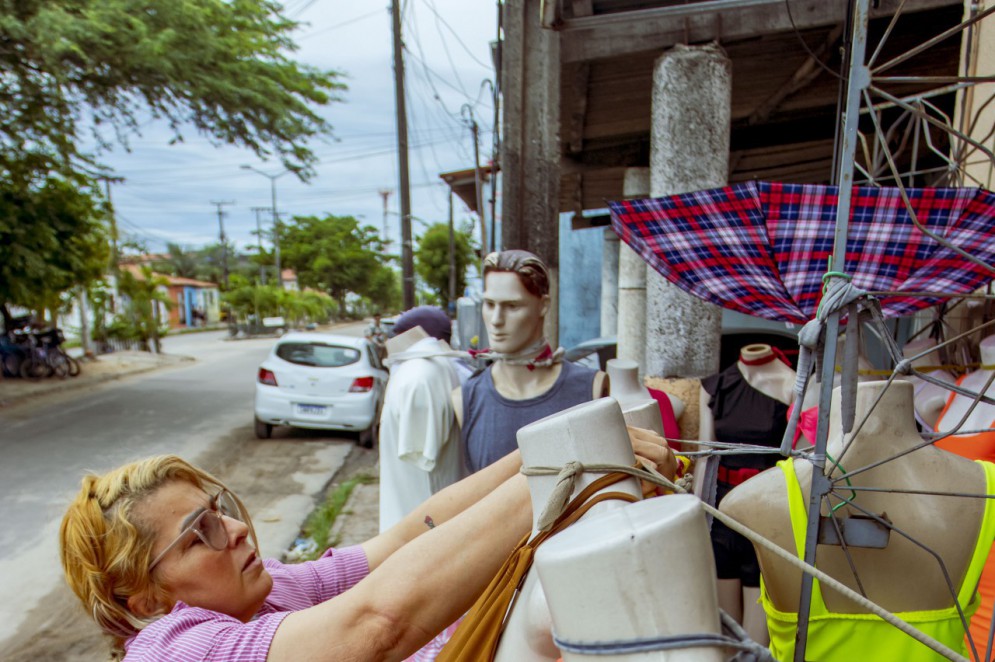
x=211, y=528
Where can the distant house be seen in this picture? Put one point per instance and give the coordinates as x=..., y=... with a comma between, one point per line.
x=196, y=302
x=289, y=278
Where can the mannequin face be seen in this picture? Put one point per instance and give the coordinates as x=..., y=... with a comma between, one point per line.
x=513, y=317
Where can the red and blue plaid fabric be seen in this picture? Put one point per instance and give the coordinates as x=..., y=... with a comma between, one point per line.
x=762, y=247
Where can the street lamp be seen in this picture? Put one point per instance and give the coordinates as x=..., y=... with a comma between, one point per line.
x=276, y=218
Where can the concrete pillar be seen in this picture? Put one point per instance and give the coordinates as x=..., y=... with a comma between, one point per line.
x=609, y=284
x=689, y=151
x=632, y=283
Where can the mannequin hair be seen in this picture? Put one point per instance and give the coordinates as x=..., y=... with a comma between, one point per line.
x=530, y=269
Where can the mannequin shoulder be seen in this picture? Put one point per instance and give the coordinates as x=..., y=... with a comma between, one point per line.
x=600, y=386
x=760, y=496
x=457, y=399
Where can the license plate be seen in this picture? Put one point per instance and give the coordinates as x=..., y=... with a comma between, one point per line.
x=310, y=410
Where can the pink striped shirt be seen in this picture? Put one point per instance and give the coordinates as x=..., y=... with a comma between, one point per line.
x=193, y=634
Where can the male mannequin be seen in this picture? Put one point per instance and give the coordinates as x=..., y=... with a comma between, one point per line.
x=746, y=403
x=948, y=526
x=526, y=380
x=420, y=451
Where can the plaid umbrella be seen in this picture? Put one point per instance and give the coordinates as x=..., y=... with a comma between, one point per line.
x=762, y=247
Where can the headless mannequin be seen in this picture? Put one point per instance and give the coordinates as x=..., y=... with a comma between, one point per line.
x=770, y=376
x=948, y=526
x=929, y=398
x=580, y=570
x=590, y=433
x=514, y=320
x=403, y=341
x=983, y=416
x=623, y=378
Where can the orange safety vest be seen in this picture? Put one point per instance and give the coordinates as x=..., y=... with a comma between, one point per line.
x=477, y=637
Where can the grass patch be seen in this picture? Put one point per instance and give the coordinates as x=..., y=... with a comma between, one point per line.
x=319, y=523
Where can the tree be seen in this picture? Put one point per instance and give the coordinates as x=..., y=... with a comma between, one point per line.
x=335, y=255
x=144, y=294
x=53, y=238
x=432, y=259
x=98, y=67
x=181, y=262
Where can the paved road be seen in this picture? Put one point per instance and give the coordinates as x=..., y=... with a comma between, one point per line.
x=196, y=410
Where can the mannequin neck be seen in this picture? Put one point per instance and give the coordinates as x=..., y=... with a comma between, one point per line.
x=889, y=428
x=623, y=380
x=403, y=341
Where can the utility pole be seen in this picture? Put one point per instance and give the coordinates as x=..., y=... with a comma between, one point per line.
x=259, y=242
x=276, y=217
x=478, y=186
x=407, y=256
x=452, y=260
x=113, y=218
x=385, y=194
x=224, y=244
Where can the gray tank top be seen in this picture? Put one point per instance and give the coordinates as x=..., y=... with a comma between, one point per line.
x=491, y=421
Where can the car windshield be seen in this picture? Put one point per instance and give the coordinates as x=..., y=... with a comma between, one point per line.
x=318, y=355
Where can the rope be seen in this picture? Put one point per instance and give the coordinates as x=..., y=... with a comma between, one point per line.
x=568, y=476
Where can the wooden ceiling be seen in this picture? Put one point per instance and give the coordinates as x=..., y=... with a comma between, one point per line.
x=783, y=100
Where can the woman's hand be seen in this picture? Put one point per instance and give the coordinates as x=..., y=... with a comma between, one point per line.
x=652, y=449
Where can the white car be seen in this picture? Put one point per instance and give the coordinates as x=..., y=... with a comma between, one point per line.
x=323, y=382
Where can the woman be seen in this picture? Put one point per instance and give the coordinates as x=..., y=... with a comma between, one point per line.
x=159, y=553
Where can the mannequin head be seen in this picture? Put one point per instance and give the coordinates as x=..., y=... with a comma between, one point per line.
x=516, y=299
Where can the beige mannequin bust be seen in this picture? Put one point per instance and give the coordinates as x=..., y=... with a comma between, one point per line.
x=625, y=386
x=949, y=526
x=769, y=375
x=516, y=300
x=929, y=398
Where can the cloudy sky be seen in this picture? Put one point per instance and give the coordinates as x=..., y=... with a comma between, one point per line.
x=168, y=191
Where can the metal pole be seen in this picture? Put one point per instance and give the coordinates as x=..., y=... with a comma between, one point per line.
x=259, y=243
x=452, y=259
x=276, y=232
x=224, y=243
x=858, y=78
x=407, y=256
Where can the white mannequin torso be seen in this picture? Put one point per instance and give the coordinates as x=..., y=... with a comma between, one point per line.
x=929, y=398
x=625, y=386
x=590, y=433
x=983, y=416
x=949, y=526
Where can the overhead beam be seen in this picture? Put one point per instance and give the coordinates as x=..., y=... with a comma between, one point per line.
x=620, y=33
x=800, y=78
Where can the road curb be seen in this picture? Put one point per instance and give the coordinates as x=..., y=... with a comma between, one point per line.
x=76, y=383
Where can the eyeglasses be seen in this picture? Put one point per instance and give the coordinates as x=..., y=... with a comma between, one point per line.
x=208, y=524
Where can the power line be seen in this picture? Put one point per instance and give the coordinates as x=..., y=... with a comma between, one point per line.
x=431, y=8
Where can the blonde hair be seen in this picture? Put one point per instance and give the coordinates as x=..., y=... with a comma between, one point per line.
x=106, y=547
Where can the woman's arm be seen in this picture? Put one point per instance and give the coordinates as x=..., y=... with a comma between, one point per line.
x=418, y=591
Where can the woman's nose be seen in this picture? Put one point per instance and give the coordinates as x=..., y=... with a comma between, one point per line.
x=237, y=530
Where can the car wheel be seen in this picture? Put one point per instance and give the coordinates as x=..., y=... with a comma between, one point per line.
x=371, y=435
x=263, y=430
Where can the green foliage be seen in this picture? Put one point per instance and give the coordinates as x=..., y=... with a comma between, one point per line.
x=319, y=523
x=53, y=238
x=138, y=322
x=219, y=66
x=432, y=260
x=270, y=301
x=338, y=256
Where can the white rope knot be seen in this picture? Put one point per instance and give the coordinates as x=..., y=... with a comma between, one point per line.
x=560, y=496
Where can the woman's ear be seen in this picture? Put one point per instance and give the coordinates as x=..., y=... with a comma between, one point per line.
x=142, y=605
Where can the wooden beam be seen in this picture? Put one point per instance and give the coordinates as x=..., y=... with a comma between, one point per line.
x=575, y=82
x=599, y=36
x=802, y=76
x=581, y=8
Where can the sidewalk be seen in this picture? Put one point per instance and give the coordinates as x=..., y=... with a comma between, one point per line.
x=103, y=369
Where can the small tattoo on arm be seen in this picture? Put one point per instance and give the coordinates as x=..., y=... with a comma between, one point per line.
x=429, y=522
